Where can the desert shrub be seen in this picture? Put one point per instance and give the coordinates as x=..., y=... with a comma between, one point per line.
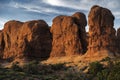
x=2, y=77
x=15, y=66
x=95, y=67
x=45, y=69
x=73, y=74
x=110, y=72
x=59, y=66
x=103, y=74
x=0, y=65
x=106, y=59
x=49, y=78
x=114, y=72
x=31, y=67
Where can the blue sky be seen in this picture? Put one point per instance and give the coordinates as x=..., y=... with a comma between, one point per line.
x=24, y=10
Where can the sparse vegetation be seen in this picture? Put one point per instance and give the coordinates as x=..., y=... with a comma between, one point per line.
x=106, y=59
x=95, y=67
x=15, y=67
x=98, y=71
x=37, y=71
x=31, y=67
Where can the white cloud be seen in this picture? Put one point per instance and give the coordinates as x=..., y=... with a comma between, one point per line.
x=117, y=14
x=54, y=2
x=68, y=3
x=39, y=6
x=114, y=4
x=87, y=4
x=2, y=22
x=84, y=4
x=36, y=8
x=73, y=4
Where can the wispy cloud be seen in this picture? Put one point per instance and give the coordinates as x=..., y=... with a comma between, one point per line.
x=67, y=3
x=87, y=4
x=48, y=9
x=36, y=8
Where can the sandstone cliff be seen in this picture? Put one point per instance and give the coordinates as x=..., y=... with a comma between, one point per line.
x=118, y=40
x=101, y=32
x=66, y=37
x=69, y=35
x=30, y=39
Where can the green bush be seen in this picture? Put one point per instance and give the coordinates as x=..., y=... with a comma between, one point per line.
x=73, y=74
x=114, y=72
x=95, y=67
x=31, y=68
x=110, y=72
x=59, y=66
x=15, y=66
x=103, y=74
x=106, y=59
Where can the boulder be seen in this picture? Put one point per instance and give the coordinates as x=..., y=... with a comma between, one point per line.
x=68, y=35
x=101, y=32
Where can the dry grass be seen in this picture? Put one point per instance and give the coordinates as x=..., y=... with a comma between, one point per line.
x=78, y=60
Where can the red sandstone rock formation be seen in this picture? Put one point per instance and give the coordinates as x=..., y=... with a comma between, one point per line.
x=118, y=40
x=29, y=39
x=1, y=44
x=35, y=39
x=69, y=36
x=10, y=34
x=81, y=21
x=101, y=32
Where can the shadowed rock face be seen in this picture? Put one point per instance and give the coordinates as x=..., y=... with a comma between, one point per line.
x=81, y=21
x=29, y=39
x=101, y=31
x=35, y=39
x=118, y=40
x=68, y=35
x=2, y=44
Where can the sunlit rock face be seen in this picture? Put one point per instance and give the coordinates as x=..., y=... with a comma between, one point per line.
x=10, y=38
x=69, y=35
x=30, y=39
x=101, y=32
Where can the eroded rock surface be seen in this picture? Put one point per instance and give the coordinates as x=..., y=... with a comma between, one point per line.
x=118, y=40
x=1, y=44
x=69, y=35
x=30, y=39
x=101, y=32
x=35, y=39
x=10, y=34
